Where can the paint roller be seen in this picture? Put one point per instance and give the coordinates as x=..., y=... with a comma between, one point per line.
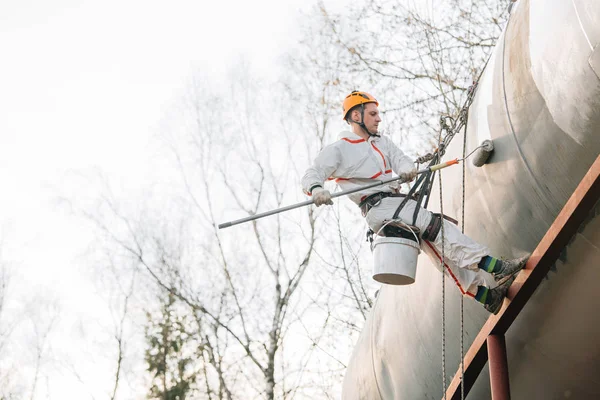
x=483, y=153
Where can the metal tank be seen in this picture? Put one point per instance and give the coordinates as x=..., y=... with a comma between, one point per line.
x=539, y=101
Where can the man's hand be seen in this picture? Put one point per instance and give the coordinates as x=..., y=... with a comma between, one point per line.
x=321, y=196
x=408, y=176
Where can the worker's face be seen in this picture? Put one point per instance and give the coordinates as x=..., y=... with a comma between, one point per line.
x=372, y=118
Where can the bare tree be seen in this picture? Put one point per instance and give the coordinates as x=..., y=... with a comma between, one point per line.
x=419, y=58
x=340, y=293
x=251, y=183
x=28, y=323
x=419, y=62
x=423, y=56
x=43, y=316
x=238, y=286
x=271, y=307
x=7, y=325
x=120, y=335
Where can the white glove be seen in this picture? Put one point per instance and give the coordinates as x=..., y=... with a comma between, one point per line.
x=321, y=196
x=408, y=176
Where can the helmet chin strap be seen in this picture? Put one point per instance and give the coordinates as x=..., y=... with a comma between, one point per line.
x=362, y=123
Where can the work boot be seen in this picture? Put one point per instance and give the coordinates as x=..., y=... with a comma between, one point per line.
x=510, y=268
x=496, y=296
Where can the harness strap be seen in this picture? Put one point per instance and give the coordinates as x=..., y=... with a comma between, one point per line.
x=435, y=224
x=397, y=231
x=374, y=199
x=422, y=179
x=432, y=230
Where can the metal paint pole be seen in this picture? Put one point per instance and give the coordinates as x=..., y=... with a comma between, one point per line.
x=496, y=346
x=433, y=168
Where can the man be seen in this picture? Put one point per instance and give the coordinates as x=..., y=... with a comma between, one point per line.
x=360, y=157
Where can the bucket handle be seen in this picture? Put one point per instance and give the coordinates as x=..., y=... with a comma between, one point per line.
x=402, y=224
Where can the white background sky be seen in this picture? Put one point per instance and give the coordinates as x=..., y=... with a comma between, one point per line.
x=84, y=85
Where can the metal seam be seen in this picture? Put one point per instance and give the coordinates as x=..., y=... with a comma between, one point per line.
x=587, y=39
x=372, y=337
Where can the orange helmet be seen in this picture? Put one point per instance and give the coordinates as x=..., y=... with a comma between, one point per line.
x=355, y=98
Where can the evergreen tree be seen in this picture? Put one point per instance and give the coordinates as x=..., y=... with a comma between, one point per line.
x=168, y=357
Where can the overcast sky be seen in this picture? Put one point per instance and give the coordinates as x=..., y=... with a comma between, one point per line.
x=84, y=85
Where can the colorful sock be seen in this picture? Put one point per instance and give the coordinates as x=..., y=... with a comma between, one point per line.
x=490, y=264
x=481, y=295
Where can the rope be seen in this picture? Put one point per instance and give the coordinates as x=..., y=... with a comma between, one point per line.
x=425, y=158
x=462, y=229
x=451, y=125
x=443, y=262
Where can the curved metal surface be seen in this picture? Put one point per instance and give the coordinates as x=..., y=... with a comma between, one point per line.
x=539, y=100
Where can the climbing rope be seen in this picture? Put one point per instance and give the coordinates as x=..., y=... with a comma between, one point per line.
x=443, y=262
x=462, y=229
x=451, y=125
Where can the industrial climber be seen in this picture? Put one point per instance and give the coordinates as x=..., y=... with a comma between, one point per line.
x=361, y=156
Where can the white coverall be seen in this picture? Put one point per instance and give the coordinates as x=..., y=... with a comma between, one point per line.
x=353, y=162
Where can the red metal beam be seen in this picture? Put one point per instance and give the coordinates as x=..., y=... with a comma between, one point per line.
x=543, y=257
x=496, y=347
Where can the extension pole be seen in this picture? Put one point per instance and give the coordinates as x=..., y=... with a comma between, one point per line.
x=432, y=168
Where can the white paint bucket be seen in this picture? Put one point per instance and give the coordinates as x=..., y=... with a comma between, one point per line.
x=395, y=260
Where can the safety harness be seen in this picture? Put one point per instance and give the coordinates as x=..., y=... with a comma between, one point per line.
x=425, y=182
